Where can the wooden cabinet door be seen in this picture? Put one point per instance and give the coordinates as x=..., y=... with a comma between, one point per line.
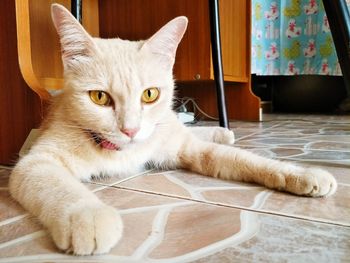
x=140, y=19
x=235, y=39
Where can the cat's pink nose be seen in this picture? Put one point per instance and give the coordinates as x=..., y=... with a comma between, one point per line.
x=130, y=132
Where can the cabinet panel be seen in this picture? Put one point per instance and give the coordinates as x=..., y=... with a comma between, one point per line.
x=235, y=39
x=128, y=20
x=139, y=19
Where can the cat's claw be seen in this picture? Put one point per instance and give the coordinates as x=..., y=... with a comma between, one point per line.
x=224, y=136
x=89, y=230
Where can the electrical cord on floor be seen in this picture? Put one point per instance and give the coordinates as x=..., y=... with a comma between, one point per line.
x=196, y=109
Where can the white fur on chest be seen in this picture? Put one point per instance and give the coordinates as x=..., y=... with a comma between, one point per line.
x=119, y=163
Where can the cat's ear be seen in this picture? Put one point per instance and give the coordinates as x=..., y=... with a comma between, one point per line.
x=76, y=44
x=166, y=40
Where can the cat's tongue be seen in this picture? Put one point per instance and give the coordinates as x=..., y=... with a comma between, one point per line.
x=108, y=145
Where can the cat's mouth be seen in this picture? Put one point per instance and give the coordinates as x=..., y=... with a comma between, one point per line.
x=102, y=142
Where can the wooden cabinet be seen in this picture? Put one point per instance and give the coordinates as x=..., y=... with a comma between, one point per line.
x=139, y=19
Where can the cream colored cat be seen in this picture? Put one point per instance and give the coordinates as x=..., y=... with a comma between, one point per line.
x=113, y=117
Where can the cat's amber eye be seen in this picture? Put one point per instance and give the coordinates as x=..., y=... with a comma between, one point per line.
x=150, y=95
x=100, y=97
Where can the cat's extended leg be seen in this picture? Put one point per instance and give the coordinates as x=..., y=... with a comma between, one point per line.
x=214, y=134
x=77, y=220
x=236, y=164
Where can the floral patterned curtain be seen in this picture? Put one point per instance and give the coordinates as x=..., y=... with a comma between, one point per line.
x=292, y=37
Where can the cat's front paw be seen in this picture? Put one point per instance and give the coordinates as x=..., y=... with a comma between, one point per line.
x=223, y=136
x=312, y=182
x=88, y=230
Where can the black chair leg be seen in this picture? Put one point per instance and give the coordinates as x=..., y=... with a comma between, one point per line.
x=217, y=61
x=339, y=22
x=76, y=6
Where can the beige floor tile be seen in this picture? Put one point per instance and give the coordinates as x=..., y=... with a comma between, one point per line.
x=137, y=230
x=132, y=200
x=138, y=211
x=116, y=179
x=195, y=227
x=174, y=230
x=282, y=239
x=341, y=173
x=19, y=228
x=295, y=153
x=334, y=209
x=183, y=184
x=8, y=207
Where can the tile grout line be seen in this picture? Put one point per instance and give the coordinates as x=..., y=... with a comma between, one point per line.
x=12, y=219
x=41, y=233
x=19, y=217
x=24, y=238
x=156, y=235
x=315, y=161
x=268, y=212
x=292, y=148
x=322, y=162
x=104, y=186
x=134, y=176
x=127, y=211
x=254, y=133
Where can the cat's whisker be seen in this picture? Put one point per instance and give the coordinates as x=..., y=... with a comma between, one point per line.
x=70, y=139
x=107, y=133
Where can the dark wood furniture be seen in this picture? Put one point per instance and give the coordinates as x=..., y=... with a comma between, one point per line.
x=19, y=105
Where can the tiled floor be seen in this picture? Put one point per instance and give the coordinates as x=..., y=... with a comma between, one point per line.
x=177, y=216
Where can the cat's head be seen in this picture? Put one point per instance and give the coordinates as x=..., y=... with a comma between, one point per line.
x=118, y=90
